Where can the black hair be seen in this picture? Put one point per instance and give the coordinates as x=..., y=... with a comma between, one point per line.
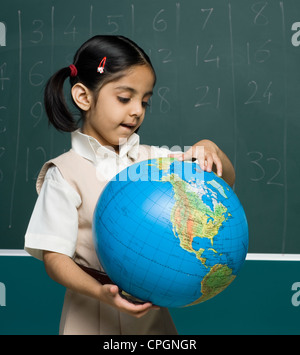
x=121, y=54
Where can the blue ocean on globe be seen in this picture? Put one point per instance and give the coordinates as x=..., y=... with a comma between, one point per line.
x=169, y=233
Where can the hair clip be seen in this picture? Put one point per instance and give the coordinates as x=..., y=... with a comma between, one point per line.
x=73, y=70
x=101, y=66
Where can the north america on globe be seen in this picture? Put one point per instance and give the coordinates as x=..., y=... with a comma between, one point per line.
x=191, y=218
x=173, y=235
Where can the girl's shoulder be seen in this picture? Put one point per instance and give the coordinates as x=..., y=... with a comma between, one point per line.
x=54, y=168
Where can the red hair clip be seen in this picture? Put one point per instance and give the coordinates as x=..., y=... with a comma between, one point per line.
x=101, y=66
x=73, y=70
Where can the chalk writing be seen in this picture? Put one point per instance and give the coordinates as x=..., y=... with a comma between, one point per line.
x=260, y=18
x=262, y=165
x=3, y=77
x=37, y=33
x=254, y=98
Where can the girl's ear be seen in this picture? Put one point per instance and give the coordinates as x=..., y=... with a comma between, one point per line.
x=82, y=96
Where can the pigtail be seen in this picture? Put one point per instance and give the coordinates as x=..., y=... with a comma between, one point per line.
x=56, y=107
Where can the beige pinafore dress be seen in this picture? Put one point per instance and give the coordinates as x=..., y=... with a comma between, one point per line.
x=82, y=314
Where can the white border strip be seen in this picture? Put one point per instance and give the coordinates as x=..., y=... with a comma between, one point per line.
x=13, y=252
x=250, y=256
x=274, y=257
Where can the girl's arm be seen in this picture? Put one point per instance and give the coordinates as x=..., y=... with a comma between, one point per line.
x=65, y=271
x=210, y=158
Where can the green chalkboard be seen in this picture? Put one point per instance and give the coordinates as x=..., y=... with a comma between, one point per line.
x=227, y=71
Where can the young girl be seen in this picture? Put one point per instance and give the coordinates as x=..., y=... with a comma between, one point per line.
x=112, y=80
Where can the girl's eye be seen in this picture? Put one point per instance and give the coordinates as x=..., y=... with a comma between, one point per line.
x=145, y=104
x=123, y=100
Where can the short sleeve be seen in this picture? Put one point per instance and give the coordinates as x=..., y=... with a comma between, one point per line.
x=53, y=225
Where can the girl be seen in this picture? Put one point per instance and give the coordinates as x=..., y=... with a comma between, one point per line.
x=112, y=80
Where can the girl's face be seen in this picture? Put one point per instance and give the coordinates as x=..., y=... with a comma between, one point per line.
x=120, y=107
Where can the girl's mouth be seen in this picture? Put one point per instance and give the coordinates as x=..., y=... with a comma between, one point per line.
x=128, y=125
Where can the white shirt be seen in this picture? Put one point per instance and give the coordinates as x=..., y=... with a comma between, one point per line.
x=53, y=224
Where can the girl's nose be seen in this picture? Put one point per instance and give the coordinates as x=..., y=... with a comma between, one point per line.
x=136, y=109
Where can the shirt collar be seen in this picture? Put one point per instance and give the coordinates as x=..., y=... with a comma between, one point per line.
x=89, y=148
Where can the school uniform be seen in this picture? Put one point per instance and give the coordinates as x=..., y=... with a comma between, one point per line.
x=69, y=187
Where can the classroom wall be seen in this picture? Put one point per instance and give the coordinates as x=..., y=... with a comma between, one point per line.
x=263, y=299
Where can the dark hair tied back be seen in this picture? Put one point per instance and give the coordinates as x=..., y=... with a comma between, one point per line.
x=121, y=54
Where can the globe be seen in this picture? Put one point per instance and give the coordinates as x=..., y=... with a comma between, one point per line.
x=169, y=233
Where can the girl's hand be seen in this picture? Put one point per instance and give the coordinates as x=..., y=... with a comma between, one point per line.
x=65, y=271
x=210, y=158
x=110, y=294
x=207, y=154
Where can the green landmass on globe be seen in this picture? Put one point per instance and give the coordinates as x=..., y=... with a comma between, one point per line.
x=185, y=261
x=192, y=218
